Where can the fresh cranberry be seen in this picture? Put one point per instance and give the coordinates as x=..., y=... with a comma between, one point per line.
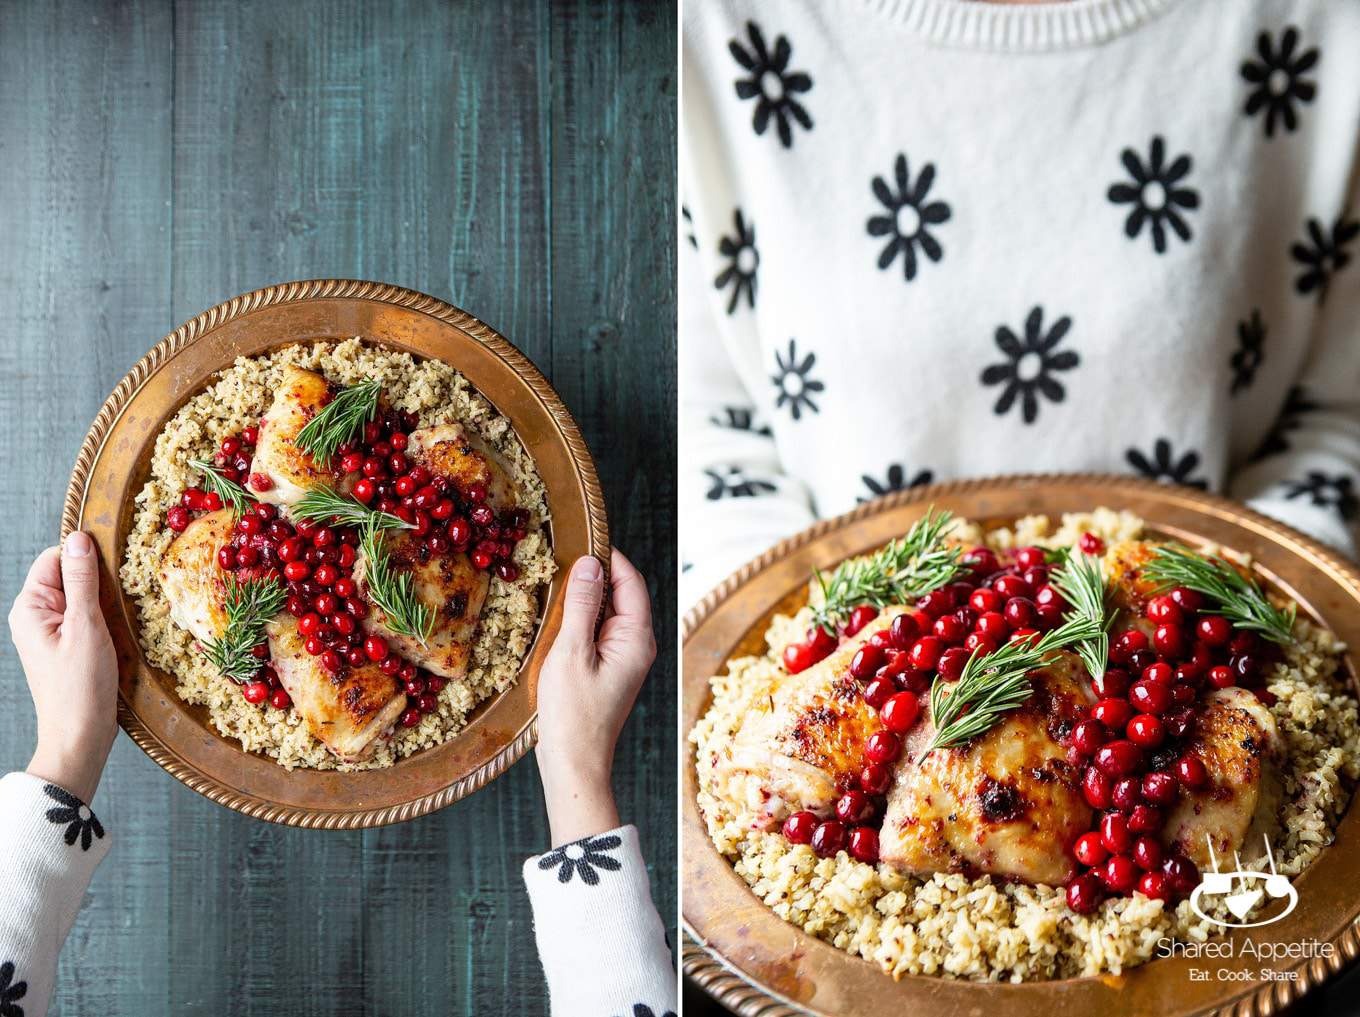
x=860, y=617
x=874, y=778
x=1181, y=873
x=1019, y=612
x=864, y=844
x=279, y=699
x=1150, y=697
x=260, y=482
x=983, y=600
x=1083, y=894
x=981, y=561
x=1028, y=557
x=883, y=746
x=936, y=603
x=1096, y=788
x=1169, y=641
x=1164, y=611
x=1048, y=595
x=1119, y=873
x=1191, y=772
x=1159, y=788
x=365, y=490
x=951, y=663
x=1146, y=731
x=900, y=634
x=483, y=560
x=799, y=827
x=876, y=693
x=475, y=493
x=992, y=624
x=797, y=656
x=1189, y=600
x=949, y=630
x=1245, y=667
x=177, y=518
x=427, y=702
x=828, y=838
x=1214, y=630
x=226, y=559
x=411, y=717
x=854, y=807
x=1114, y=682
x=296, y=571
x=1145, y=819
x=866, y=661
x=1126, y=793
x=1118, y=758
x=1115, y=714
x=324, y=575
x=1088, y=736
x=1010, y=586
x=1114, y=833
x=330, y=660
x=1159, y=672
x=1222, y=677
x=415, y=686
x=230, y=445
x=900, y=712
x=250, y=434
x=297, y=606
x=977, y=642
x=925, y=652
x=1147, y=852
x=1126, y=644
x=1090, y=850
x=344, y=624
x=1089, y=543
x=212, y=501
x=820, y=640
x=255, y=692
x=375, y=648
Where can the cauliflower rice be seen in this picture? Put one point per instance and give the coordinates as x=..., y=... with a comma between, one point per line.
x=985, y=930
x=240, y=395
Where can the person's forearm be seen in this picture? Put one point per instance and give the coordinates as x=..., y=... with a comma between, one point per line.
x=76, y=769
x=580, y=802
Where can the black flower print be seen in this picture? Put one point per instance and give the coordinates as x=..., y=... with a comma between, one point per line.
x=909, y=217
x=793, y=378
x=734, y=483
x=582, y=857
x=1296, y=403
x=740, y=418
x=1326, y=256
x=10, y=990
x=1030, y=365
x=1156, y=193
x=1166, y=467
x=1279, y=80
x=643, y=1010
x=896, y=480
x=742, y=262
x=771, y=84
x=1326, y=491
x=1251, y=337
x=689, y=227
x=80, y=821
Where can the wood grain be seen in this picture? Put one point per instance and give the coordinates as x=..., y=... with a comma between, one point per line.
x=164, y=156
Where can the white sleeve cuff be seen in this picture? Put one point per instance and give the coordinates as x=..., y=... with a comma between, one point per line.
x=601, y=942
x=1323, y=523
x=50, y=845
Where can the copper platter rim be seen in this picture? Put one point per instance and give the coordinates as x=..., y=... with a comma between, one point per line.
x=757, y=965
x=111, y=466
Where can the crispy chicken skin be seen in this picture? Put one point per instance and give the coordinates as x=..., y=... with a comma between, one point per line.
x=194, y=586
x=346, y=712
x=294, y=472
x=1008, y=803
x=1239, y=744
x=451, y=451
x=1130, y=590
x=802, y=743
x=450, y=586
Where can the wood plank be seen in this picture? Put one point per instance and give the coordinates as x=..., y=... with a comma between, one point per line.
x=614, y=340
x=85, y=95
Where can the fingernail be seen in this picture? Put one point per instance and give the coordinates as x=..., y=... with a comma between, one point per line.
x=587, y=569
x=78, y=544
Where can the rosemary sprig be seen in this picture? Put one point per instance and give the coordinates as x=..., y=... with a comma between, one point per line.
x=229, y=491
x=994, y=684
x=249, y=605
x=1080, y=582
x=340, y=420
x=327, y=505
x=898, y=573
x=1237, y=597
x=393, y=593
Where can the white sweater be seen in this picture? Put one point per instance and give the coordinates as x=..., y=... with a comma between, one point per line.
x=602, y=944
x=931, y=239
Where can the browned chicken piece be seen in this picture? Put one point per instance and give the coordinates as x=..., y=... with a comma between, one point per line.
x=451, y=451
x=1009, y=803
x=450, y=586
x=1239, y=744
x=194, y=586
x=802, y=743
x=347, y=711
x=1130, y=590
x=293, y=472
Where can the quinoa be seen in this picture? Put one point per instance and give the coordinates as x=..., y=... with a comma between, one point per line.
x=988, y=930
x=437, y=394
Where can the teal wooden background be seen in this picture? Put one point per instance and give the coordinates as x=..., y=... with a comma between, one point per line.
x=515, y=158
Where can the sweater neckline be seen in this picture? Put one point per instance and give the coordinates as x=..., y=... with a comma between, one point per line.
x=1034, y=28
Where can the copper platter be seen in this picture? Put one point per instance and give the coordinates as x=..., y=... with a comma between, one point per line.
x=114, y=462
x=756, y=964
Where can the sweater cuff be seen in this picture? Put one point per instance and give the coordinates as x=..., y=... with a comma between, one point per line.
x=600, y=940
x=1321, y=523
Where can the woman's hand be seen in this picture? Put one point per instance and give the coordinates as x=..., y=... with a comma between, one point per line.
x=585, y=692
x=68, y=659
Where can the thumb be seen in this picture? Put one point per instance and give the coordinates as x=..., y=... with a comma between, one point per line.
x=80, y=575
x=581, y=606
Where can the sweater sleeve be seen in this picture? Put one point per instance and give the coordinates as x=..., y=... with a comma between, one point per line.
x=50, y=845
x=736, y=497
x=600, y=940
x=1308, y=471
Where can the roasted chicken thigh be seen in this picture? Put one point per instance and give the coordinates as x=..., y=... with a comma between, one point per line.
x=291, y=471
x=452, y=452
x=194, y=586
